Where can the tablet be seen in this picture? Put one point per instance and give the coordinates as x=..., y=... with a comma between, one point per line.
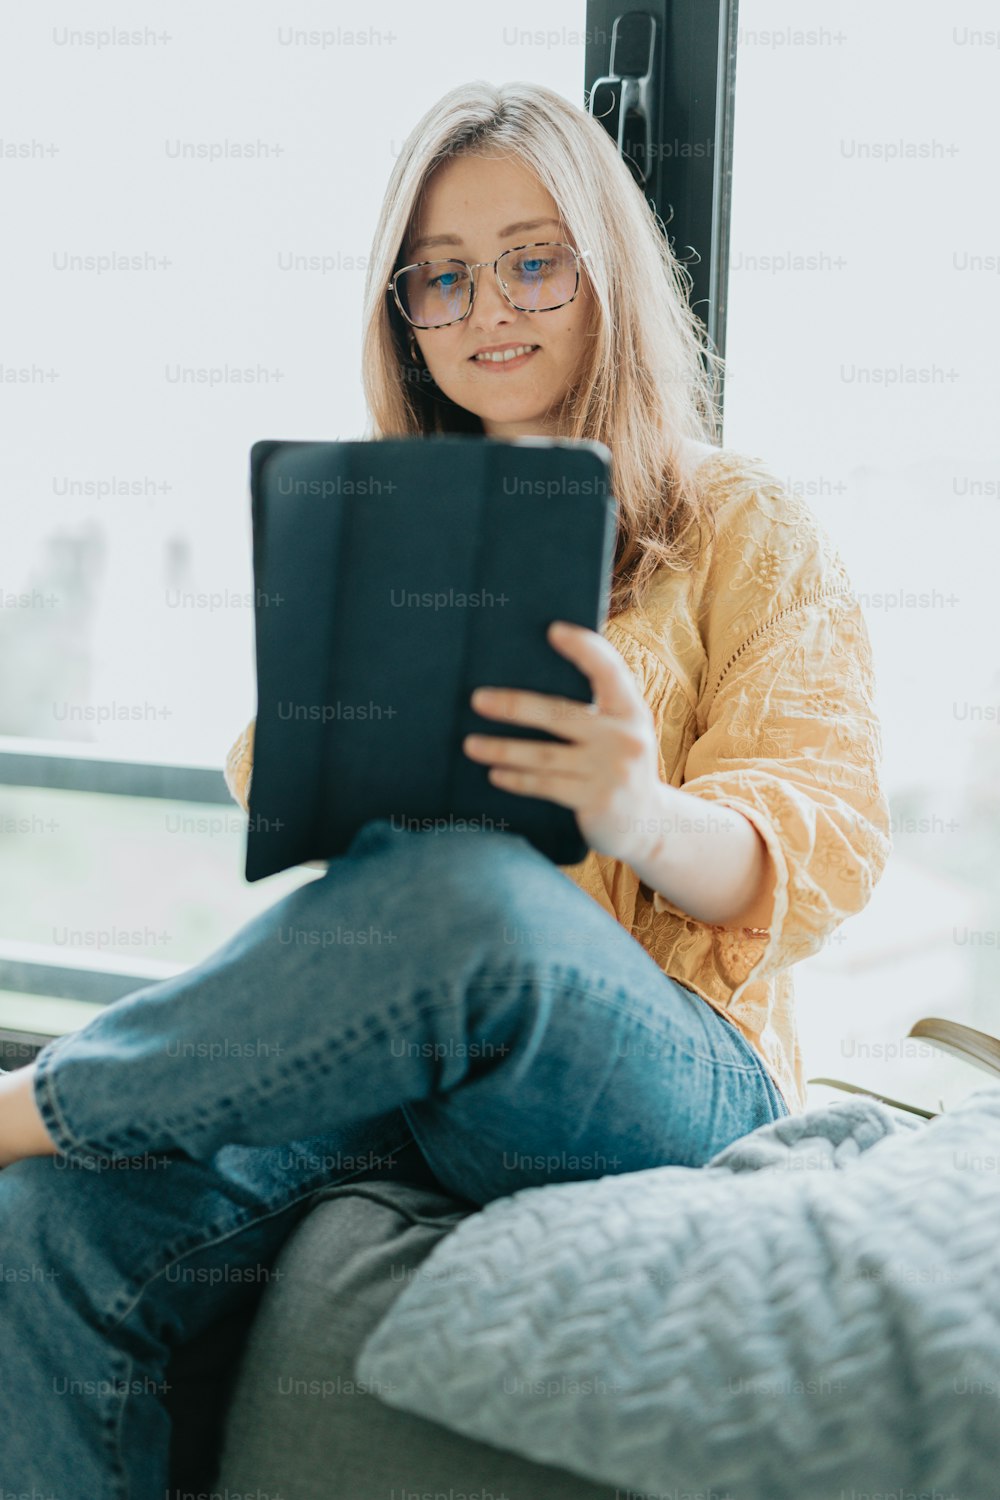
x=391, y=579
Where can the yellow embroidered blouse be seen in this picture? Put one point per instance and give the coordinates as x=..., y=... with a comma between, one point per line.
x=757, y=668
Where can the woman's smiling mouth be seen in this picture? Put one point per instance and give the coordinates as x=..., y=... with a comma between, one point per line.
x=504, y=356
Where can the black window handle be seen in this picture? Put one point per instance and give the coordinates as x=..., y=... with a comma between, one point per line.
x=624, y=100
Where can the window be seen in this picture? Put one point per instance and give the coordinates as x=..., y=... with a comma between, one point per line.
x=189, y=258
x=863, y=283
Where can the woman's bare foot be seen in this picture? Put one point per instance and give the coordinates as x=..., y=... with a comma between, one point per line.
x=22, y=1129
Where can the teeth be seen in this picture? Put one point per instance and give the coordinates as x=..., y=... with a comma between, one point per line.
x=506, y=354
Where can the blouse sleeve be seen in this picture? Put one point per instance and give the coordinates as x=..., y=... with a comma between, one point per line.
x=791, y=739
x=239, y=766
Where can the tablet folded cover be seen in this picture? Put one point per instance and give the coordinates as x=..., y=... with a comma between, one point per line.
x=391, y=579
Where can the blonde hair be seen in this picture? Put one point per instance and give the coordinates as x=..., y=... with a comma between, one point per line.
x=648, y=384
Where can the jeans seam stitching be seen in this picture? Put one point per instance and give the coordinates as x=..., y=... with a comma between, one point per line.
x=115, y=1431
x=215, y=1239
x=49, y=1107
x=179, y=1250
x=312, y=1061
x=311, y=1064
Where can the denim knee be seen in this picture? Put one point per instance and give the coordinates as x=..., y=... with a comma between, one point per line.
x=494, y=886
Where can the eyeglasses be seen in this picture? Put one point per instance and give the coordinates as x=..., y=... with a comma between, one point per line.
x=434, y=293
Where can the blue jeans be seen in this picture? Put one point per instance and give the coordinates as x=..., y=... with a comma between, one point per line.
x=445, y=1006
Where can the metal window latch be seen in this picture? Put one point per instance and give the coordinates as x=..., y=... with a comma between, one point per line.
x=624, y=100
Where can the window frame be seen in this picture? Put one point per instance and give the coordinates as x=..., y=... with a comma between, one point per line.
x=690, y=93
x=62, y=766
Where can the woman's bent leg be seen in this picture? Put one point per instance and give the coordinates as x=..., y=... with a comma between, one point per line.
x=105, y=1270
x=458, y=976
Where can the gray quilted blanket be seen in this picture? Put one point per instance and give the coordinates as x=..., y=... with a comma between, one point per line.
x=812, y=1315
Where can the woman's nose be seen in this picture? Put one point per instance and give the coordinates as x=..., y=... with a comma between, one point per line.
x=488, y=294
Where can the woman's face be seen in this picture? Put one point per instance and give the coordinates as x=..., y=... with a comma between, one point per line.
x=485, y=205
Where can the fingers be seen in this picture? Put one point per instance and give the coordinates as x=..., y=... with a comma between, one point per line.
x=615, y=689
x=562, y=716
x=567, y=791
x=525, y=755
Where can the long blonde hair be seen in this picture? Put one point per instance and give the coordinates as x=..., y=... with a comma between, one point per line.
x=648, y=385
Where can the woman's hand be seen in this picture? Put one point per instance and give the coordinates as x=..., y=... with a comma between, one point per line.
x=608, y=772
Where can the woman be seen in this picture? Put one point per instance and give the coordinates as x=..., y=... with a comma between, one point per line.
x=521, y=1023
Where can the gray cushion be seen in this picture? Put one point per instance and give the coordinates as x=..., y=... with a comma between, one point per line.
x=813, y=1314
x=300, y=1424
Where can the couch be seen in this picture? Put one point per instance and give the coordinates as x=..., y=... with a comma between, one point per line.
x=812, y=1313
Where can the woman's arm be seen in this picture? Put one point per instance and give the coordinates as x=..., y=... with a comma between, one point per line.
x=792, y=743
x=708, y=859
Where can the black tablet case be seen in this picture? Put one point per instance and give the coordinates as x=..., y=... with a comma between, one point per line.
x=363, y=693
